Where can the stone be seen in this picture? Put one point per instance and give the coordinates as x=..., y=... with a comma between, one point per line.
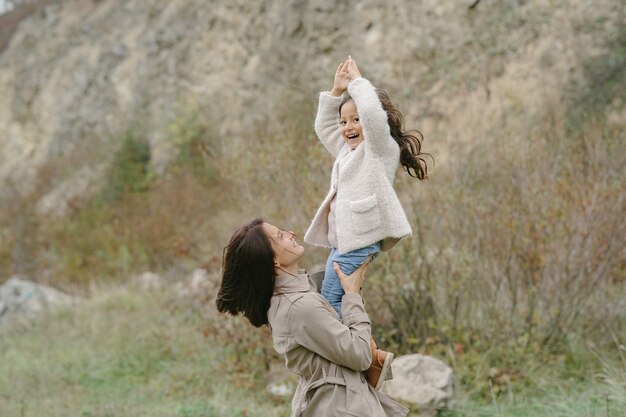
x=148, y=281
x=73, y=191
x=23, y=299
x=426, y=383
x=198, y=284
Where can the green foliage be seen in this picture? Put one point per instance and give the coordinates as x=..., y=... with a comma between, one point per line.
x=95, y=243
x=196, y=143
x=604, y=77
x=129, y=171
x=613, y=374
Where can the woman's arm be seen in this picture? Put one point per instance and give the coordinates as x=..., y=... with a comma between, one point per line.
x=315, y=326
x=345, y=343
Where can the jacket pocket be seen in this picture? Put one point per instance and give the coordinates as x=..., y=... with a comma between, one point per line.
x=365, y=215
x=358, y=397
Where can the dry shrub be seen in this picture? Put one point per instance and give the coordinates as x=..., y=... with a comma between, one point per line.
x=521, y=238
x=136, y=222
x=170, y=223
x=282, y=170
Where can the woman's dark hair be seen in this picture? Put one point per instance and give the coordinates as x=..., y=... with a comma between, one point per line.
x=247, y=274
x=409, y=141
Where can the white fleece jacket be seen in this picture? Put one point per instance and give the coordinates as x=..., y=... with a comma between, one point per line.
x=367, y=208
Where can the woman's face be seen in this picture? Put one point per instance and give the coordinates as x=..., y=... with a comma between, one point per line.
x=287, y=251
x=350, y=125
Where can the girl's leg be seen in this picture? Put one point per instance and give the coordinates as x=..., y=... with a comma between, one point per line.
x=348, y=262
x=331, y=286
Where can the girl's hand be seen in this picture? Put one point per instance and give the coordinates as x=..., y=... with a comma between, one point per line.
x=354, y=282
x=353, y=70
x=342, y=79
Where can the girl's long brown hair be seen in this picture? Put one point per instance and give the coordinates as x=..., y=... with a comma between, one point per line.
x=409, y=141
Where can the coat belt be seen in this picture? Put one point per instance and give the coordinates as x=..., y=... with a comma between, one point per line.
x=297, y=410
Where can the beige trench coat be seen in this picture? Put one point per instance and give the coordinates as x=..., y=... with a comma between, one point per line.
x=327, y=354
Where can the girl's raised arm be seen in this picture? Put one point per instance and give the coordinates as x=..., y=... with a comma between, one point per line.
x=342, y=79
x=327, y=119
x=371, y=114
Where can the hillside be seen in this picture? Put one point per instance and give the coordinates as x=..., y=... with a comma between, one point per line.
x=95, y=69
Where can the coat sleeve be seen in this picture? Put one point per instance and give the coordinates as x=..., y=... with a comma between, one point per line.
x=327, y=123
x=344, y=343
x=373, y=118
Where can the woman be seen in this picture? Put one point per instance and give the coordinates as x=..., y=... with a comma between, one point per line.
x=261, y=280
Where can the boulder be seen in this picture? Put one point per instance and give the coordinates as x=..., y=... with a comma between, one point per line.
x=148, y=281
x=426, y=383
x=23, y=299
x=198, y=284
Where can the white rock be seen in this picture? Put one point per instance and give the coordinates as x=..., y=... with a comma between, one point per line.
x=197, y=284
x=423, y=381
x=79, y=187
x=199, y=280
x=148, y=281
x=20, y=298
x=281, y=390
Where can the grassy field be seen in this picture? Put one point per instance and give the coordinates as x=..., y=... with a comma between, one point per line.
x=124, y=352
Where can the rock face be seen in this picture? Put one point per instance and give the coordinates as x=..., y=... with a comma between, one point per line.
x=78, y=73
x=22, y=299
x=423, y=381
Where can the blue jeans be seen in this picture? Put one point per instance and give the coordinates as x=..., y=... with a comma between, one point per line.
x=348, y=263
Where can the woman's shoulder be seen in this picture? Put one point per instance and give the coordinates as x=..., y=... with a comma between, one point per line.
x=308, y=305
x=303, y=300
x=309, y=299
x=297, y=308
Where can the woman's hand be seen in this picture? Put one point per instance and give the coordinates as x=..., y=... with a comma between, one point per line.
x=342, y=79
x=354, y=282
x=353, y=70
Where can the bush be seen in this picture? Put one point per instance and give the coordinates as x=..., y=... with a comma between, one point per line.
x=196, y=144
x=129, y=169
x=520, y=240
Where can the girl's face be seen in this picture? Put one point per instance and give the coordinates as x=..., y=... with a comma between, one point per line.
x=350, y=125
x=287, y=251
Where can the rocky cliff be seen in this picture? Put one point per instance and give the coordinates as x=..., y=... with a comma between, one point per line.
x=78, y=73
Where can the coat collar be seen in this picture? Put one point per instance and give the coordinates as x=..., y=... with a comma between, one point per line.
x=286, y=284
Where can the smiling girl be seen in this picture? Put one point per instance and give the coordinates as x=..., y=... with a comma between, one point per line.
x=361, y=214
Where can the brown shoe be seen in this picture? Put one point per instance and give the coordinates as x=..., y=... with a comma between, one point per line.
x=380, y=367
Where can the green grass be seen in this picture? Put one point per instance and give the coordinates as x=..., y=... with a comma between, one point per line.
x=129, y=353
x=124, y=354
x=552, y=398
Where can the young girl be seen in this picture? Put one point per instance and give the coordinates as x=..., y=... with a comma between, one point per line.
x=361, y=214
